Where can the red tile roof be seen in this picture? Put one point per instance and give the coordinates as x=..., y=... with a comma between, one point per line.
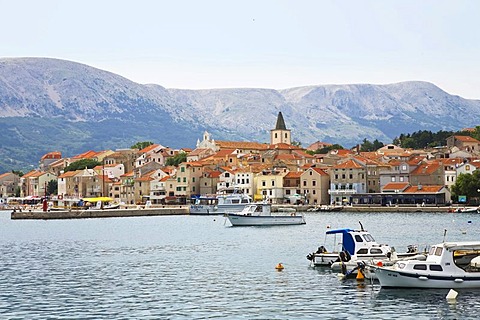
x=349, y=164
x=423, y=189
x=395, y=186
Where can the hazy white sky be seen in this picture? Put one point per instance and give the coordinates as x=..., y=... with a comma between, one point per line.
x=260, y=43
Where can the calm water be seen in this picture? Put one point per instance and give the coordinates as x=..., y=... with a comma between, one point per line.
x=187, y=267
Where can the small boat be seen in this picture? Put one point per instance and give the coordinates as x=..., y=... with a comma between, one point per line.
x=204, y=205
x=449, y=265
x=354, y=245
x=325, y=208
x=101, y=203
x=260, y=214
x=232, y=201
x=466, y=210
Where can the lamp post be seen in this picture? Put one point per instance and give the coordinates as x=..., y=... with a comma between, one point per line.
x=103, y=176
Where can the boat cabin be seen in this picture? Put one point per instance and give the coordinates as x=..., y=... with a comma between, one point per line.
x=259, y=209
x=357, y=242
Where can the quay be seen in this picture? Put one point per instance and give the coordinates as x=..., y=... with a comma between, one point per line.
x=360, y=208
x=108, y=213
x=185, y=210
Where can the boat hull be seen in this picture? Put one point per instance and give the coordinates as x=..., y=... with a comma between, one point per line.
x=241, y=220
x=399, y=279
x=203, y=210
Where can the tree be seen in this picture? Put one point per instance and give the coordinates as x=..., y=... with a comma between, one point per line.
x=326, y=150
x=82, y=164
x=467, y=185
x=52, y=187
x=141, y=145
x=18, y=173
x=177, y=159
x=296, y=143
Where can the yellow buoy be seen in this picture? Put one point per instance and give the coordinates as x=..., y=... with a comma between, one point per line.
x=279, y=267
x=360, y=276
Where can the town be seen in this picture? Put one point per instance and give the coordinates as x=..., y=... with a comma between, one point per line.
x=278, y=172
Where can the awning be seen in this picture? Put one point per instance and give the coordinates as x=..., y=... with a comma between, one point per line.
x=96, y=199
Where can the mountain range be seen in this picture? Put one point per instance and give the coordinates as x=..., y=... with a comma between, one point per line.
x=58, y=105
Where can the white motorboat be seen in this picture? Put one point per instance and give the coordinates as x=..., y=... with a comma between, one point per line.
x=354, y=245
x=232, y=202
x=449, y=265
x=260, y=214
x=204, y=205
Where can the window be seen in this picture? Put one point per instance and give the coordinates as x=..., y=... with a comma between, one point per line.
x=350, y=176
x=276, y=135
x=193, y=179
x=286, y=135
x=343, y=176
x=438, y=251
x=392, y=179
x=420, y=267
x=314, y=183
x=311, y=172
x=304, y=183
x=264, y=183
x=362, y=251
x=436, y=267
x=376, y=251
x=273, y=183
x=404, y=167
x=336, y=176
x=184, y=179
x=358, y=238
x=182, y=169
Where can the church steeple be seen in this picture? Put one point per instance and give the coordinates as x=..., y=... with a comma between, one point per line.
x=280, y=122
x=280, y=134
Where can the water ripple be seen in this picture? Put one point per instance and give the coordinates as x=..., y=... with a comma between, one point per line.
x=198, y=268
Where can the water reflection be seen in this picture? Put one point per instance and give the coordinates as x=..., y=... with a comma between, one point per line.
x=195, y=267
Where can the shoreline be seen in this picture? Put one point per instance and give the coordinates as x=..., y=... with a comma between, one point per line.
x=185, y=210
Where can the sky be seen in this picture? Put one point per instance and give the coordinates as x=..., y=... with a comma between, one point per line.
x=275, y=44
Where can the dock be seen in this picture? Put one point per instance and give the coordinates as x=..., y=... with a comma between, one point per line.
x=110, y=213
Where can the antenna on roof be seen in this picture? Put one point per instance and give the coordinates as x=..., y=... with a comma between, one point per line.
x=361, y=226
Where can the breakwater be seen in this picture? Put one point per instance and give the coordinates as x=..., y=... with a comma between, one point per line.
x=184, y=210
x=110, y=213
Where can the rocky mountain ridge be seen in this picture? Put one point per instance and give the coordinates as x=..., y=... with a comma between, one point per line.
x=75, y=107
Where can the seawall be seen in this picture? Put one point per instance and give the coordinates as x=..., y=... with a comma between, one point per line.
x=110, y=213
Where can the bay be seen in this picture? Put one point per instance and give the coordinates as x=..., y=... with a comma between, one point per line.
x=193, y=267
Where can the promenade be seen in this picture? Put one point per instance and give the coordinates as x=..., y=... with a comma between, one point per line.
x=184, y=210
x=110, y=213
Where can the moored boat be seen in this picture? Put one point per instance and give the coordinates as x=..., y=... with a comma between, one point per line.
x=449, y=265
x=234, y=201
x=204, y=205
x=260, y=214
x=354, y=245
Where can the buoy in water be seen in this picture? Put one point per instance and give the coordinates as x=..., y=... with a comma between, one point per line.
x=279, y=267
x=452, y=295
x=360, y=276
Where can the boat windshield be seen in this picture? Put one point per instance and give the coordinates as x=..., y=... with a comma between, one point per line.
x=368, y=237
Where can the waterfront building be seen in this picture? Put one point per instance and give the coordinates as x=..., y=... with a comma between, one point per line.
x=430, y=173
x=347, y=178
x=314, y=186
x=209, y=181
x=269, y=185
x=8, y=184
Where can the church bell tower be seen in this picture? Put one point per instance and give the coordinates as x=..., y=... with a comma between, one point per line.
x=280, y=134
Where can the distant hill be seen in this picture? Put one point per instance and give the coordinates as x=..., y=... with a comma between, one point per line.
x=51, y=104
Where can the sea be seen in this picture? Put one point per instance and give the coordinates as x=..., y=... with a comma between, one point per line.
x=199, y=267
